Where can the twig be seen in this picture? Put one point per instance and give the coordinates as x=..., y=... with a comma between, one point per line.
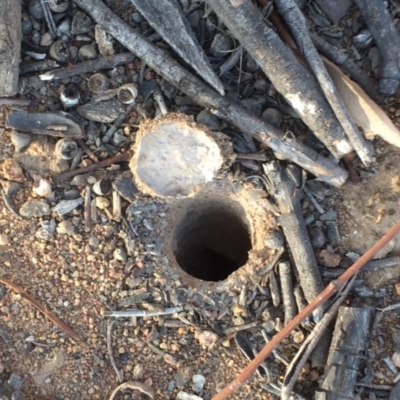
x=37, y=66
x=202, y=94
x=35, y=303
x=300, y=301
x=141, y=387
x=287, y=197
x=289, y=304
x=239, y=328
x=387, y=38
x=88, y=66
x=5, y=101
x=87, y=150
x=141, y=313
x=251, y=156
x=87, y=209
x=328, y=292
x=310, y=343
x=120, y=119
x=287, y=74
x=101, y=164
x=120, y=374
x=297, y=24
x=49, y=18
x=274, y=289
x=8, y=204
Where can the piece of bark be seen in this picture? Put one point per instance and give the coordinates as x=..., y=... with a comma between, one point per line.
x=298, y=26
x=202, y=94
x=387, y=38
x=10, y=46
x=346, y=351
x=366, y=113
x=294, y=228
x=166, y=17
x=58, y=124
x=287, y=74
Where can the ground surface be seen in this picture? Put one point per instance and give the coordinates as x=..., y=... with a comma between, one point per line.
x=77, y=272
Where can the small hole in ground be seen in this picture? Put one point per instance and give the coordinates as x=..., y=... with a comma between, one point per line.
x=211, y=238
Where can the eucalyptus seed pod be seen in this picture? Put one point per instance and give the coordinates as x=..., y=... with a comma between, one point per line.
x=98, y=83
x=127, y=93
x=70, y=96
x=66, y=149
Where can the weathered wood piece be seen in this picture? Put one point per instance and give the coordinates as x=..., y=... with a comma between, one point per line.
x=287, y=197
x=58, y=124
x=289, y=302
x=387, y=38
x=287, y=74
x=347, y=348
x=298, y=26
x=10, y=46
x=166, y=17
x=163, y=64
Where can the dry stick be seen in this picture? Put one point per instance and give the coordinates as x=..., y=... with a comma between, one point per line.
x=37, y=66
x=294, y=228
x=274, y=289
x=18, y=289
x=342, y=58
x=4, y=101
x=164, y=65
x=88, y=66
x=140, y=386
x=328, y=292
x=287, y=74
x=168, y=19
x=87, y=210
x=289, y=303
x=120, y=374
x=310, y=343
x=101, y=164
x=298, y=26
x=387, y=38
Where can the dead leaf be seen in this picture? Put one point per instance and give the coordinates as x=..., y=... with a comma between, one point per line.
x=366, y=113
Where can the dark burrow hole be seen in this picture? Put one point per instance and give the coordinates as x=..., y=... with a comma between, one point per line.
x=211, y=238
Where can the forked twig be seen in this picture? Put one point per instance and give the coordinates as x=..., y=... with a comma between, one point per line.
x=35, y=303
x=328, y=292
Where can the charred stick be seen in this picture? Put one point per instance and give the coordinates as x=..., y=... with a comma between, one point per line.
x=5, y=101
x=348, y=344
x=300, y=301
x=168, y=19
x=164, y=65
x=284, y=70
x=87, y=150
x=101, y=164
x=289, y=303
x=298, y=26
x=310, y=343
x=342, y=58
x=117, y=123
x=37, y=66
x=48, y=16
x=294, y=228
x=84, y=67
x=328, y=292
x=387, y=38
x=251, y=156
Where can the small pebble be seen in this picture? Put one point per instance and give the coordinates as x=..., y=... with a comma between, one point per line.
x=102, y=203
x=34, y=208
x=273, y=117
x=207, y=338
x=329, y=260
x=328, y=216
x=317, y=238
x=4, y=240
x=207, y=118
x=20, y=140
x=119, y=254
x=65, y=227
x=221, y=45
